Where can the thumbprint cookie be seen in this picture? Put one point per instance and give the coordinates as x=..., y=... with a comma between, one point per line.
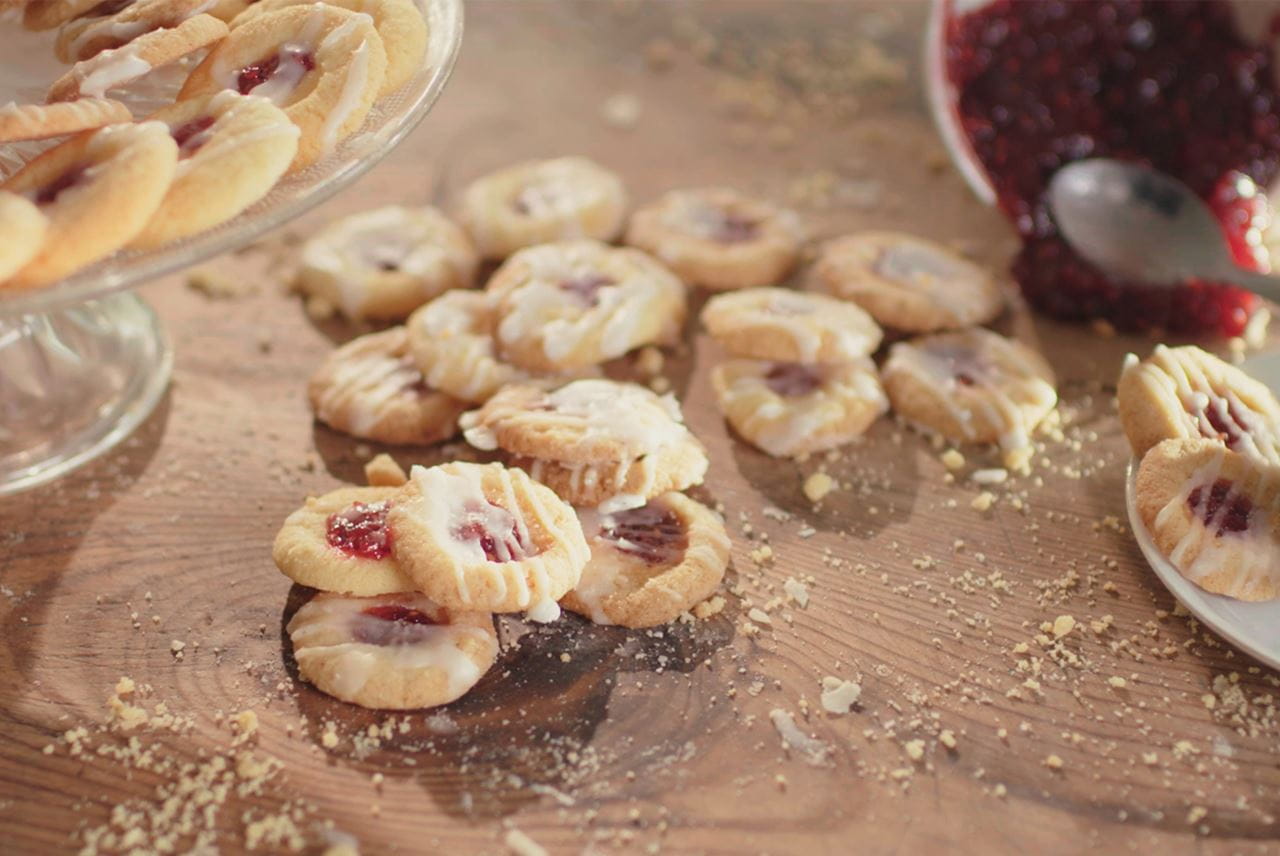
x=790, y=326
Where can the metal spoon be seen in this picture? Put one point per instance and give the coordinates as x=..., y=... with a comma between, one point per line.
x=1140, y=224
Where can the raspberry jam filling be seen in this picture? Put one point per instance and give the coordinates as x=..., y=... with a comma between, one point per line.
x=48, y=194
x=792, y=379
x=734, y=229
x=1226, y=424
x=651, y=533
x=291, y=62
x=191, y=136
x=390, y=624
x=585, y=287
x=360, y=531
x=1173, y=85
x=495, y=529
x=1234, y=518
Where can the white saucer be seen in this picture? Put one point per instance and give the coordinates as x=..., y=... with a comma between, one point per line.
x=1252, y=627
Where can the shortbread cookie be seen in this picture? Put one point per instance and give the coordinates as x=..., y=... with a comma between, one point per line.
x=42, y=121
x=323, y=65
x=51, y=14
x=541, y=201
x=340, y=542
x=1215, y=514
x=907, y=283
x=24, y=229
x=790, y=326
x=398, y=22
x=384, y=263
x=98, y=190
x=452, y=341
x=718, y=238
x=572, y=304
x=395, y=652
x=105, y=27
x=481, y=536
x=1181, y=393
x=972, y=386
x=232, y=149
x=98, y=75
x=790, y=409
x=371, y=388
x=650, y=564
x=592, y=441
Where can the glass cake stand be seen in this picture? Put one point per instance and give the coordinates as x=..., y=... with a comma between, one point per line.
x=84, y=362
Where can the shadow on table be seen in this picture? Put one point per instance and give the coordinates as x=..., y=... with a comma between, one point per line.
x=525, y=730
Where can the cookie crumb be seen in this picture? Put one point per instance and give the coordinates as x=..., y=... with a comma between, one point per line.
x=983, y=501
x=952, y=459
x=838, y=695
x=818, y=486
x=1053, y=762
x=522, y=845
x=383, y=471
x=796, y=591
x=621, y=110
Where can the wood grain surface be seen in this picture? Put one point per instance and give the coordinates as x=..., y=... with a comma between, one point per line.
x=978, y=730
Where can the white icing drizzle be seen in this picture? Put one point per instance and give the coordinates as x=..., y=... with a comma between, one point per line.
x=109, y=69
x=212, y=143
x=353, y=86
x=362, y=388
x=437, y=646
x=466, y=364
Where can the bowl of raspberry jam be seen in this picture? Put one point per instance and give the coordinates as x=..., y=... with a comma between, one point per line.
x=1019, y=89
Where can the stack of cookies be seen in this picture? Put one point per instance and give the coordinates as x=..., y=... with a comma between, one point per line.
x=1208, y=485
x=282, y=83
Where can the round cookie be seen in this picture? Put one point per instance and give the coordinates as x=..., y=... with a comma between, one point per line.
x=907, y=283
x=51, y=14
x=340, y=542
x=371, y=388
x=322, y=65
x=384, y=263
x=791, y=409
x=24, y=228
x=573, y=304
x=94, y=77
x=790, y=326
x=972, y=386
x=481, y=536
x=592, y=441
x=452, y=341
x=105, y=27
x=398, y=22
x=1215, y=514
x=649, y=565
x=231, y=151
x=718, y=238
x=1183, y=393
x=41, y=121
x=540, y=201
x=97, y=190
x=394, y=652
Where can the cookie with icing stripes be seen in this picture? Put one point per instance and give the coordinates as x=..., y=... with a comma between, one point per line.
x=972, y=386
x=371, y=388
x=42, y=121
x=322, y=65
x=1215, y=514
x=106, y=27
x=452, y=341
x=649, y=564
x=793, y=409
x=537, y=202
x=718, y=238
x=394, y=652
x=484, y=537
x=907, y=283
x=1186, y=393
x=790, y=326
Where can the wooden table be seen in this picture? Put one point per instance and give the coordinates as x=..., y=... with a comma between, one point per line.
x=590, y=740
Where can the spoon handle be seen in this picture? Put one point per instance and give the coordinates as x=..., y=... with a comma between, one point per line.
x=1260, y=284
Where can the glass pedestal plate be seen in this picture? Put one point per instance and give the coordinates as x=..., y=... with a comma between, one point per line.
x=84, y=362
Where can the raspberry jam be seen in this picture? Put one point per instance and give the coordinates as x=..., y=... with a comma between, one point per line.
x=48, y=194
x=1169, y=84
x=252, y=76
x=390, y=624
x=1235, y=518
x=360, y=531
x=586, y=287
x=651, y=533
x=1225, y=421
x=792, y=379
x=191, y=136
x=732, y=229
x=495, y=529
